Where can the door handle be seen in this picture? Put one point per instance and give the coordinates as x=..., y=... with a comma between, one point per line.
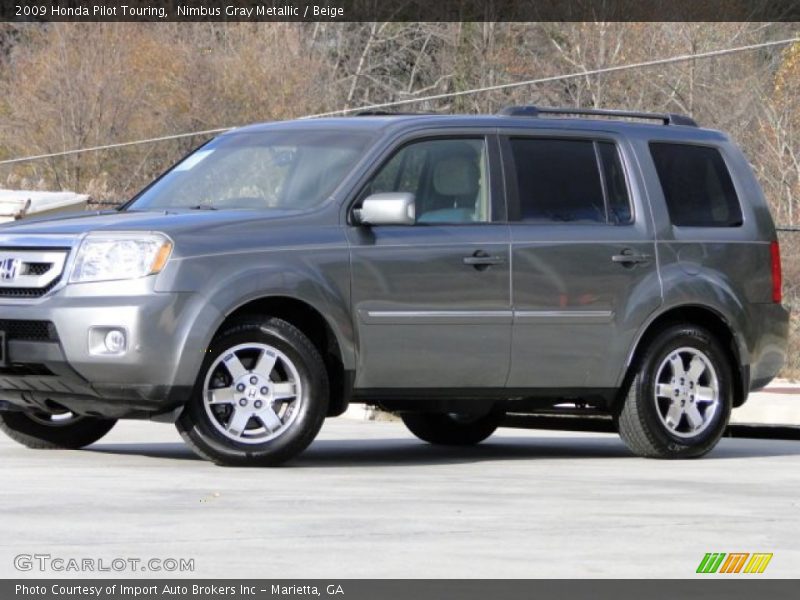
x=629, y=257
x=481, y=260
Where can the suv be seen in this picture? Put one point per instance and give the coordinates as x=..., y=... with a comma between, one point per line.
x=448, y=268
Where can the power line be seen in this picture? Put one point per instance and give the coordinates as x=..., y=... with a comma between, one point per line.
x=163, y=138
x=406, y=101
x=505, y=86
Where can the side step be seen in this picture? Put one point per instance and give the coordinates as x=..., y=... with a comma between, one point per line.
x=603, y=424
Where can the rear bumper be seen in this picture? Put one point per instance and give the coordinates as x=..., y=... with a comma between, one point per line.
x=770, y=326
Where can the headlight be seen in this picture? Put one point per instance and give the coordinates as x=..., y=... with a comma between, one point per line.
x=108, y=256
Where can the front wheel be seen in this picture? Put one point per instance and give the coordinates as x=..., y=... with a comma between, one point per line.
x=452, y=429
x=52, y=431
x=679, y=401
x=261, y=396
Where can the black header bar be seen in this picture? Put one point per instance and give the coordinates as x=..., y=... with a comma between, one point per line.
x=399, y=10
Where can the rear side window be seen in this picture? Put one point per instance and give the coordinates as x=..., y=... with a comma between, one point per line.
x=619, y=206
x=697, y=185
x=575, y=181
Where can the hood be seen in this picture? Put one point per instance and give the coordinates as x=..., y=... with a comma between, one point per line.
x=170, y=222
x=195, y=232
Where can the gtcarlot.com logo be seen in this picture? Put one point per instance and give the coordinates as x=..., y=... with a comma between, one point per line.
x=61, y=564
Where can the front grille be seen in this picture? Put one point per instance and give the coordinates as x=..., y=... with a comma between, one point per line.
x=29, y=331
x=37, y=268
x=30, y=272
x=27, y=292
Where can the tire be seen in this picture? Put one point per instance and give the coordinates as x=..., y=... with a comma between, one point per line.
x=679, y=400
x=260, y=398
x=448, y=429
x=54, y=432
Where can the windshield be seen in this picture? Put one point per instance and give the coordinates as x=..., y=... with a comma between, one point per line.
x=291, y=170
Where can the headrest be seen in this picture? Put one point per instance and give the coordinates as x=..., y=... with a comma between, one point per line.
x=456, y=176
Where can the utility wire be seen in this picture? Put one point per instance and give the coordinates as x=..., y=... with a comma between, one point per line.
x=505, y=86
x=502, y=86
x=163, y=138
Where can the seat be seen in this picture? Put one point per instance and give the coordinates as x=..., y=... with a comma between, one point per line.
x=456, y=184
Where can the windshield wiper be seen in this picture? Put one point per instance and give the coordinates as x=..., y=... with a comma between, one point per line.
x=203, y=207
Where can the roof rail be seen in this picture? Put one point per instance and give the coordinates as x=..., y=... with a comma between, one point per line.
x=535, y=111
x=387, y=113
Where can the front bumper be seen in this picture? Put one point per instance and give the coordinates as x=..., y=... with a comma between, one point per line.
x=145, y=380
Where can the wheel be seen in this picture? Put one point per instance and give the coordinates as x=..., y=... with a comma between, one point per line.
x=679, y=401
x=260, y=398
x=452, y=429
x=60, y=430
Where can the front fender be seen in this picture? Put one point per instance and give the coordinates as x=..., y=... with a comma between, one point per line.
x=320, y=279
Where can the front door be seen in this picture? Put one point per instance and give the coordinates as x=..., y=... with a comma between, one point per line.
x=431, y=301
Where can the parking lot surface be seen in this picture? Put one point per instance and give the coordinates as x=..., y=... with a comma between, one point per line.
x=369, y=500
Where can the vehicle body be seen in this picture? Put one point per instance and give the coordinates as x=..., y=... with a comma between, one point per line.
x=477, y=305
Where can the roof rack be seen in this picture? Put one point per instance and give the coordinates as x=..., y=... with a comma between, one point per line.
x=388, y=113
x=535, y=111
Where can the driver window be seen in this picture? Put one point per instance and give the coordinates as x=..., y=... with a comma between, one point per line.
x=449, y=179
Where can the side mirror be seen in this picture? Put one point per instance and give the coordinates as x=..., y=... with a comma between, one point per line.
x=388, y=208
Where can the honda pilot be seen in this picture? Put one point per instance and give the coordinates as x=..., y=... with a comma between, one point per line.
x=449, y=268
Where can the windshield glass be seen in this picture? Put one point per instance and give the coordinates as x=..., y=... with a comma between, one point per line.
x=291, y=170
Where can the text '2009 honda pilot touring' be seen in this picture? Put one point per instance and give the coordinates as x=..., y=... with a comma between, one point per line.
x=449, y=268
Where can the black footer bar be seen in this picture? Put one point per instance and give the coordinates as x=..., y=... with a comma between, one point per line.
x=708, y=588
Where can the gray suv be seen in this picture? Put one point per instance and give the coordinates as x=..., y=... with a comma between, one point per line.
x=451, y=269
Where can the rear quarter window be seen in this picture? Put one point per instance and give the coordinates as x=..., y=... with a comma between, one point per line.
x=697, y=186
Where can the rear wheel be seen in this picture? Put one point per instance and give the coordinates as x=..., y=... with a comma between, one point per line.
x=680, y=398
x=59, y=430
x=261, y=397
x=452, y=429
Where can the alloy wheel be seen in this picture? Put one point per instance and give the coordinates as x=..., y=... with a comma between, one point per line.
x=687, y=392
x=252, y=393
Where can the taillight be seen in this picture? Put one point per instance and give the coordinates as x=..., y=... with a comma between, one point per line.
x=777, y=277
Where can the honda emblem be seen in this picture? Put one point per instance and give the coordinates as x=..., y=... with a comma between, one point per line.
x=8, y=268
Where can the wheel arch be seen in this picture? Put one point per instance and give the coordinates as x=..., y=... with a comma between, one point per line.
x=311, y=321
x=704, y=316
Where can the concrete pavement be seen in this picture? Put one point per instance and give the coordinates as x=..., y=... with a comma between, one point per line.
x=368, y=500
x=777, y=404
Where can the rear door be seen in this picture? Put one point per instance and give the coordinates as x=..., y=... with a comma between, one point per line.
x=584, y=271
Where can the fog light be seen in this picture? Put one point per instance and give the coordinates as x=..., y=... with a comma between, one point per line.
x=108, y=340
x=115, y=341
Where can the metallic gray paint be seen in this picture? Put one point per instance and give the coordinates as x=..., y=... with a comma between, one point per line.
x=410, y=270
x=406, y=311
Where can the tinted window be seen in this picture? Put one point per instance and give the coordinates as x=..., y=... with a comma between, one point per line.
x=619, y=206
x=697, y=186
x=447, y=177
x=561, y=180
